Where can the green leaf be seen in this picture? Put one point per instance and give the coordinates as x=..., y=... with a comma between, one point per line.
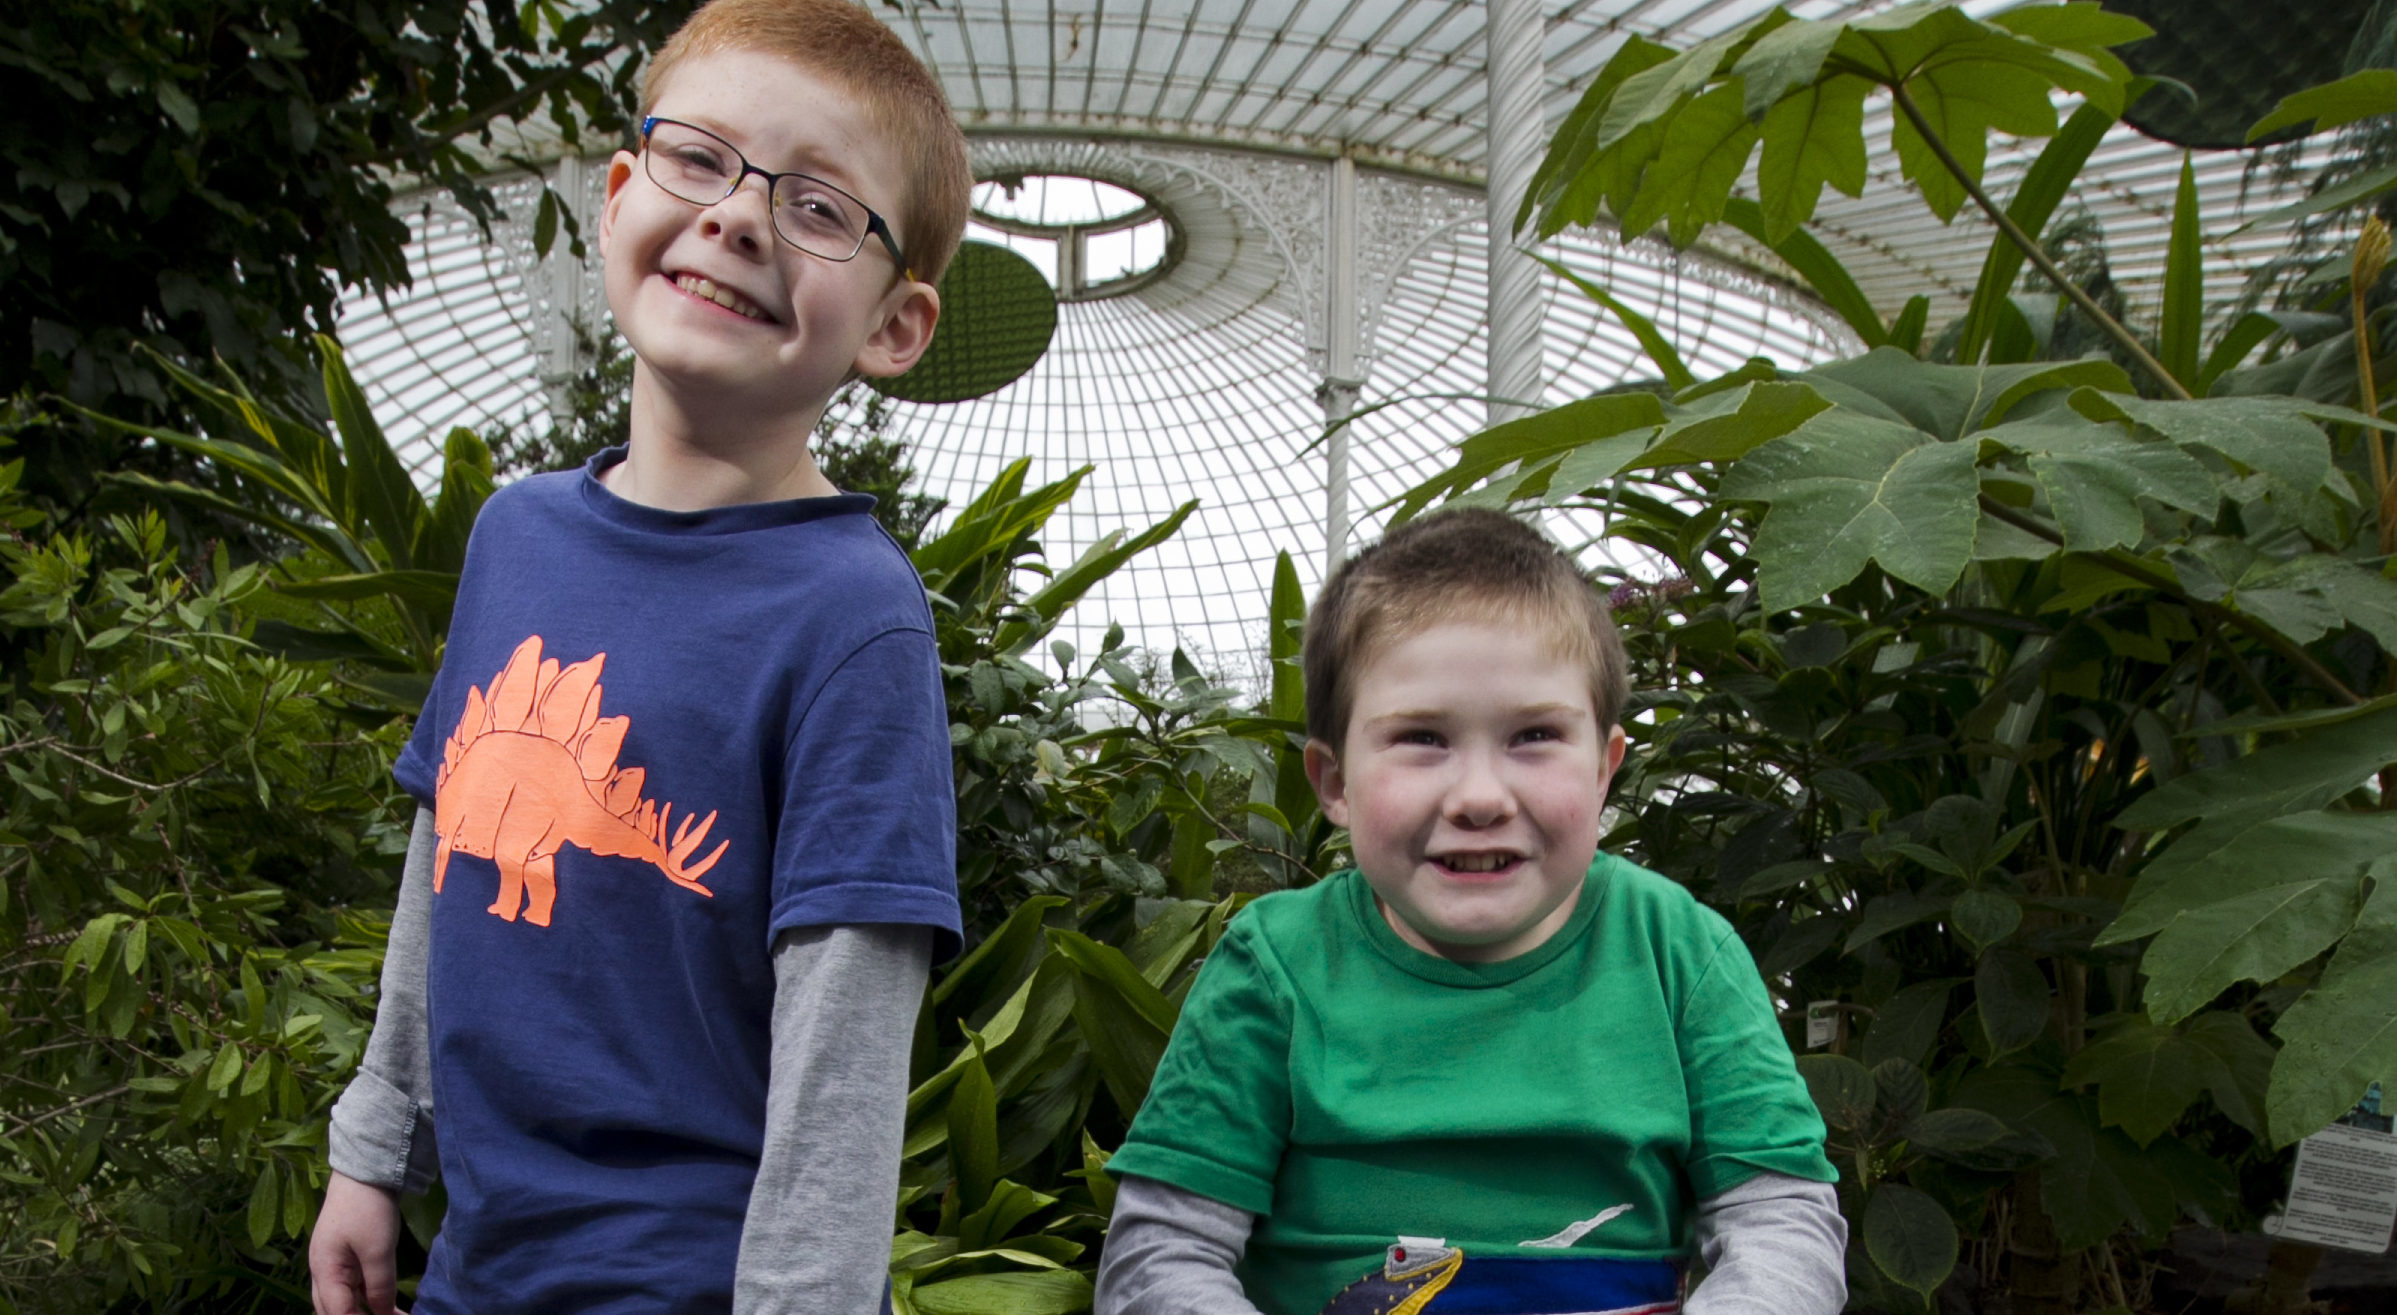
x=1985, y=917
x=2238, y=1065
x=1786, y=60
x=1726, y=426
x=1951, y=401
x=1907, y=1024
x=2243, y=336
x=265, y=1203
x=2095, y=475
x=1963, y=1135
x=1123, y=1018
x=2271, y=435
x=1706, y=148
x=974, y=1131
x=2282, y=918
x=431, y=589
x=1906, y=331
x=1041, y=1292
x=1102, y=559
x=2284, y=778
x=2088, y=1187
x=2184, y=308
x=1842, y=1089
x=2012, y=996
x=2354, y=191
x=1846, y=490
x=1813, y=137
x=1531, y=438
x=1575, y=175
x=2340, y=1036
x=545, y=223
x=2043, y=188
x=380, y=490
x=2333, y=104
x=2146, y=1076
x=1677, y=375
x=1961, y=102
x=1909, y=1237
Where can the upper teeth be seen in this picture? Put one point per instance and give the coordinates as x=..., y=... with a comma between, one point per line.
x=722, y=296
x=1477, y=862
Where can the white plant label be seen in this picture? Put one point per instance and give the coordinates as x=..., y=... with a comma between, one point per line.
x=1822, y=1023
x=2343, y=1192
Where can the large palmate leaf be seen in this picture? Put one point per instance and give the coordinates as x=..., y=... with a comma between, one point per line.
x=1950, y=401
x=2282, y=778
x=2342, y=1035
x=2095, y=476
x=1662, y=138
x=2147, y=1075
x=1847, y=489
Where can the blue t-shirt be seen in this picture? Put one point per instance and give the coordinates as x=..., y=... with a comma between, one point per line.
x=657, y=741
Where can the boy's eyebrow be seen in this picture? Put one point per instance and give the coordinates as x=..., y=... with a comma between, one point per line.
x=1434, y=714
x=812, y=163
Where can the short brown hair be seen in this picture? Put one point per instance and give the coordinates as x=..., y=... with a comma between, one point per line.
x=1473, y=564
x=842, y=42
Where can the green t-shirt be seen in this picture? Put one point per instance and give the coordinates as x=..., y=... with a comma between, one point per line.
x=1351, y=1090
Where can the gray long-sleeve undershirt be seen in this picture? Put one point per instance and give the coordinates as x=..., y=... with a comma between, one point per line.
x=817, y=1235
x=1774, y=1245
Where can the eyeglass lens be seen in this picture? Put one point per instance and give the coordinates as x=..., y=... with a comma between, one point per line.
x=702, y=169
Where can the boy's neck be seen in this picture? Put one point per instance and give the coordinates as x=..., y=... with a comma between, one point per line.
x=682, y=457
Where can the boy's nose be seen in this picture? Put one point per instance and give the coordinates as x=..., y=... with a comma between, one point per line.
x=1479, y=795
x=745, y=217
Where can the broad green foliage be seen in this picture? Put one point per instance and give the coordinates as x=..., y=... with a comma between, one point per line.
x=2022, y=712
x=188, y=829
x=1662, y=137
x=202, y=178
x=370, y=536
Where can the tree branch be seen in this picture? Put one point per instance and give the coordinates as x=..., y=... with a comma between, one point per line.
x=2034, y=253
x=2134, y=569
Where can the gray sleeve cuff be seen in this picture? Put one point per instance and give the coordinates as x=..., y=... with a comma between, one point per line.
x=1171, y=1252
x=817, y=1238
x=382, y=1138
x=382, y=1132
x=1773, y=1245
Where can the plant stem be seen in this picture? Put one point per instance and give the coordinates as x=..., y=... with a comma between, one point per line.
x=2032, y=251
x=2133, y=568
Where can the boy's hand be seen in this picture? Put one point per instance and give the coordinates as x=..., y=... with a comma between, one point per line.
x=352, y=1267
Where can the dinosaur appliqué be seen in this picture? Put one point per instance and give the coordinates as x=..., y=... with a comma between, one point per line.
x=532, y=768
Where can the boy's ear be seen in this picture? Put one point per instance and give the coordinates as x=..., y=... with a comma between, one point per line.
x=1616, y=744
x=1331, y=785
x=909, y=312
x=620, y=172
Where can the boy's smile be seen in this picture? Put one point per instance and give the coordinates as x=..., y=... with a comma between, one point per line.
x=715, y=305
x=1471, y=785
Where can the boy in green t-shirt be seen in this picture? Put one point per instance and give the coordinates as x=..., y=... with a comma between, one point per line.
x=1491, y=1070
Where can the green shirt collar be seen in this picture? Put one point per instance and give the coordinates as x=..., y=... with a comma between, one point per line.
x=1432, y=968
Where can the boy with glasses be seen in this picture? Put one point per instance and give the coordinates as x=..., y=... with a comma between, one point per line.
x=686, y=845
x=1490, y=1071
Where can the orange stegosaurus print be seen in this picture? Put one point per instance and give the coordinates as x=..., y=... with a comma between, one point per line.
x=531, y=768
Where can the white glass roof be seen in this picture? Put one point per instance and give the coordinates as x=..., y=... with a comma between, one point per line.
x=1202, y=382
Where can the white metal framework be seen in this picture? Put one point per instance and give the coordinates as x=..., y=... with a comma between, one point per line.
x=1326, y=167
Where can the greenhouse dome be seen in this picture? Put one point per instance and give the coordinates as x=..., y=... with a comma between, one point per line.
x=1260, y=219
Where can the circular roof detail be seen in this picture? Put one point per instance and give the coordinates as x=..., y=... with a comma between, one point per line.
x=1088, y=238
x=997, y=317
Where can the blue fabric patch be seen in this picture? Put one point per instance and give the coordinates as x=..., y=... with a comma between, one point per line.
x=1493, y=1285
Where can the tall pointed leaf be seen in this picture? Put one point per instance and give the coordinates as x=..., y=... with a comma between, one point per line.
x=383, y=500
x=2184, y=284
x=2043, y=187
x=1659, y=348
x=2341, y=1036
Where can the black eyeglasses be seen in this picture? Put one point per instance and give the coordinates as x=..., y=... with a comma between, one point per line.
x=697, y=166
